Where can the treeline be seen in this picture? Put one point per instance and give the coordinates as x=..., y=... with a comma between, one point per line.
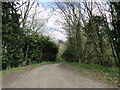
x=93, y=31
x=22, y=46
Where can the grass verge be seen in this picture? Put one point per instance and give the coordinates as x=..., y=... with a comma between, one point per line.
x=106, y=74
x=22, y=68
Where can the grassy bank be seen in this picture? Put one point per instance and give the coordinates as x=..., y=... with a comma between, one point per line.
x=106, y=74
x=23, y=67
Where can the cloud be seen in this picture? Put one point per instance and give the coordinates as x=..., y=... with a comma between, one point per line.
x=54, y=26
x=55, y=20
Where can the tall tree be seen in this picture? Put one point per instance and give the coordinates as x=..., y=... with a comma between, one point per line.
x=11, y=32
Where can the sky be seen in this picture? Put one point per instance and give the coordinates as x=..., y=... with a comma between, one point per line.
x=52, y=27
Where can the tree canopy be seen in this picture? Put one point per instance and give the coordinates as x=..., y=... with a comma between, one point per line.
x=20, y=45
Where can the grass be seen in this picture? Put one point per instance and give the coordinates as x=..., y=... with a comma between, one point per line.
x=106, y=74
x=22, y=67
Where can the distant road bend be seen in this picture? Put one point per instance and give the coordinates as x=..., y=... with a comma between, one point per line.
x=50, y=76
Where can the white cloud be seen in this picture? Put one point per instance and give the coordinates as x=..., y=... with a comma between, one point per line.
x=53, y=27
x=56, y=35
x=55, y=19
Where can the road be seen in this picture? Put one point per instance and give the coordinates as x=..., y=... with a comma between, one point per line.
x=50, y=76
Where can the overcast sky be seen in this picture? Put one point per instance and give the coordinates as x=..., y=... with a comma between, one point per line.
x=52, y=27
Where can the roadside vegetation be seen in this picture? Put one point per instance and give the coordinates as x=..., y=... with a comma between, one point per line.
x=97, y=72
x=21, y=45
x=18, y=69
x=93, y=32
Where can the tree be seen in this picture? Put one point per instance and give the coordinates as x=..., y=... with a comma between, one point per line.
x=11, y=34
x=22, y=46
x=88, y=40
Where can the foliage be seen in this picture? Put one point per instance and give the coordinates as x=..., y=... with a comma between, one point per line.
x=90, y=38
x=22, y=46
x=18, y=69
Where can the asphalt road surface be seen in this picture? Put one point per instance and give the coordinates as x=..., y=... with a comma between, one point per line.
x=50, y=76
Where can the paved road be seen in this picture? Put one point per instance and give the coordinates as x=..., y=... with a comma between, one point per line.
x=50, y=76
